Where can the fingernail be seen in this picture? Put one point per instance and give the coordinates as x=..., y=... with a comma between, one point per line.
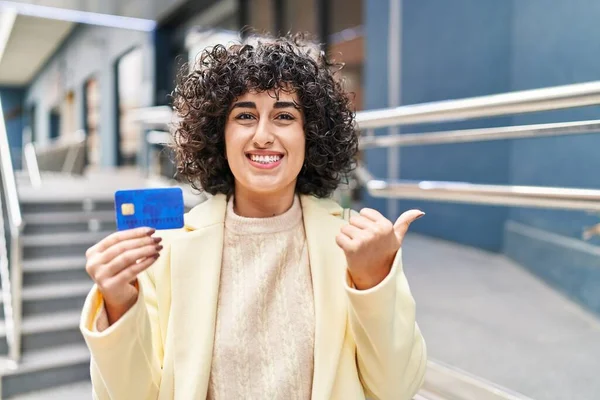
x=156, y=256
x=150, y=231
x=157, y=239
x=422, y=213
x=159, y=248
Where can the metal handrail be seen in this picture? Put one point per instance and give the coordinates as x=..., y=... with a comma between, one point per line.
x=11, y=271
x=482, y=134
x=553, y=98
x=526, y=101
x=501, y=195
x=74, y=145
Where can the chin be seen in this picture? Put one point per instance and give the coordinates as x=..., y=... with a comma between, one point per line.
x=268, y=186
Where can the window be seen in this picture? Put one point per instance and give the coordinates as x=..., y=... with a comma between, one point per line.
x=92, y=122
x=129, y=84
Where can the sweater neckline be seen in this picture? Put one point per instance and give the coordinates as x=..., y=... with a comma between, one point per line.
x=279, y=223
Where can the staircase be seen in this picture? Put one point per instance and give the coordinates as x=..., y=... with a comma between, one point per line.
x=57, y=233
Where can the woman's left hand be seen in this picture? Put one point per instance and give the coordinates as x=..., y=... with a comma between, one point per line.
x=370, y=242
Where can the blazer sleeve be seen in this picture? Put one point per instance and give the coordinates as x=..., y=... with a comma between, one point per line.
x=126, y=357
x=390, y=351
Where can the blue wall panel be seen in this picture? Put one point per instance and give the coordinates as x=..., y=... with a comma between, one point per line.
x=560, y=48
x=454, y=50
x=12, y=107
x=464, y=48
x=376, y=84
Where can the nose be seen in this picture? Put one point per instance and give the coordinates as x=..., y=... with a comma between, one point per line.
x=263, y=137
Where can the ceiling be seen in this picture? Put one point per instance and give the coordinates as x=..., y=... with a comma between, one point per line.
x=41, y=26
x=153, y=10
x=30, y=43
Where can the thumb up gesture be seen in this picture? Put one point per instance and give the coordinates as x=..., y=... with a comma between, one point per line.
x=370, y=242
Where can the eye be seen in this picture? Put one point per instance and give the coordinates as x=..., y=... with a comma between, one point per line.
x=285, y=117
x=244, y=116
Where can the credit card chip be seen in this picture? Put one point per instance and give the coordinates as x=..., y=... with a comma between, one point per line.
x=127, y=209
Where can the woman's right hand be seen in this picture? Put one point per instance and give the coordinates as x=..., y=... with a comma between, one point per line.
x=114, y=263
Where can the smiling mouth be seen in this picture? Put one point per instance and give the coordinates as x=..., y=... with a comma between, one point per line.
x=270, y=159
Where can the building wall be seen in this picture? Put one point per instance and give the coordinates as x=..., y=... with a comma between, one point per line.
x=442, y=58
x=376, y=84
x=468, y=48
x=14, y=114
x=88, y=52
x=560, y=48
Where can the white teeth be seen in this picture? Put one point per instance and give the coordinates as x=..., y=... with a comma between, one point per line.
x=264, y=159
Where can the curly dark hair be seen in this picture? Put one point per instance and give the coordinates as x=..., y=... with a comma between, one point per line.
x=204, y=94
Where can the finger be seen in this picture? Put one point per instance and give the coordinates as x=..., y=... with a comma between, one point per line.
x=371, y=214
x=129, y=274
x=345, y=242
x=361, y=222
x=127, y=259
x=117, y=237
x=404, y=221
x=121, y=247
x=352, y=231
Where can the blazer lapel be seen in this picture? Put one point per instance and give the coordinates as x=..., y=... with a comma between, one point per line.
x=195, y=273
x=328, y=264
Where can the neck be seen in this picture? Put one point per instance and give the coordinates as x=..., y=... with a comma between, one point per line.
x=259, y=205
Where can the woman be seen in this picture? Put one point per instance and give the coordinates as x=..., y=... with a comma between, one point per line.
x=267, y=292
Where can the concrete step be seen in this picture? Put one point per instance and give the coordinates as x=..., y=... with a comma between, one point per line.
x=47, y=368
x=47, y=204
x=60, y=244
x=54, y=270
x=69, y=221
x=53, y=297
x=46, y=331
x=73, y=391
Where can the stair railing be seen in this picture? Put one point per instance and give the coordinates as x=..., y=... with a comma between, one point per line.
x=62, y=155
x=11, y=272
x=160, y=118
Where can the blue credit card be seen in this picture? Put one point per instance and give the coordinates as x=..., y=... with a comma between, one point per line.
x=154, y=208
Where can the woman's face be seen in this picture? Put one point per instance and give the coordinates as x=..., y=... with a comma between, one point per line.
x=264, y=141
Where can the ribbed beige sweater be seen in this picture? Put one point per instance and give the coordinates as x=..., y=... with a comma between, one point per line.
x=264, y=337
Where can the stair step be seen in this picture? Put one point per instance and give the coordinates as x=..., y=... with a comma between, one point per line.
x=60, y=244
x=64, y=239
x=50, y=358
x=61, y=217
x=70, y=391
x=35, y=205
x=53, y=297
x=47, y=323
x=56, y=291
x=54, y=264
x=46, y=331
x=47, y=368
x=69, y=222
x=54, y=270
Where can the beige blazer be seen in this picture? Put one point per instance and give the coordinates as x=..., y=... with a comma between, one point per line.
x=367, y=343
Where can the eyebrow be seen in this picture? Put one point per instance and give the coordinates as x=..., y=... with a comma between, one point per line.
x=278, y=105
